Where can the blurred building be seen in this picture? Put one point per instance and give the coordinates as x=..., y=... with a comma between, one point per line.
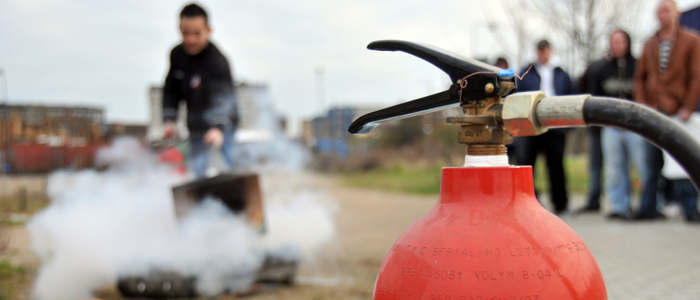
x=51, y=125
x=252, y=98
x=114, y=130
x=248, y=97
x=155, y=129
x=329, y=134
x=307, y=136
x=38, y=138
x=427, y=134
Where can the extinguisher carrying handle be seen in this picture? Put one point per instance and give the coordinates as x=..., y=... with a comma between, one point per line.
x=443, y=100
x=456, y=67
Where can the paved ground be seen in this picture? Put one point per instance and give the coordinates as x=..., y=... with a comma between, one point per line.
x=644, y=260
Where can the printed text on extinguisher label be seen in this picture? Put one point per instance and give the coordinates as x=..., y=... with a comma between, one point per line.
x=457, y=252
x=437, y=274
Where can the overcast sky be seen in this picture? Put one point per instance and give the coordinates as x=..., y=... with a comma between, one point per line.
x=107, y=53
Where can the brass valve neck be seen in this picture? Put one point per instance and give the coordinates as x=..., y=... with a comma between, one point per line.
x=486, y=150
x=482, y=127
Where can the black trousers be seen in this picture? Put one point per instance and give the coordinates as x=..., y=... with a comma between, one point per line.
x=551, y=144
x=595, y=166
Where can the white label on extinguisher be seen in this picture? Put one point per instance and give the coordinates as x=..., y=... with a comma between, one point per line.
x=486, y=160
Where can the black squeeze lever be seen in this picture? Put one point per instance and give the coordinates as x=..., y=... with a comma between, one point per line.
x=455, y=66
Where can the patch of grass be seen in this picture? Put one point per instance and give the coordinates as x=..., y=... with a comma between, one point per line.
x=399, y=178
x=26, y=205
x=7, y=269
x=11, y=277
x=426, y=179
x=9, y=223
x=576, y=168
x=16, y=210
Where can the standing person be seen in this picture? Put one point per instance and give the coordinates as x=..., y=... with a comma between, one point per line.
x=546, y=75
x=667, y=79
x=593, y=149
x=200, y=75
x=613, y=76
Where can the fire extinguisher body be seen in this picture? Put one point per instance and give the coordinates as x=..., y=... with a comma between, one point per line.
x=489, y=238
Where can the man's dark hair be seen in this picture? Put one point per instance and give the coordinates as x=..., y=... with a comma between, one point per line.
x=194, y=10
x=501, y=60
x=543, y=44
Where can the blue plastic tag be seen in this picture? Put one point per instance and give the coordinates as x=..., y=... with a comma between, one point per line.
x=506, y=74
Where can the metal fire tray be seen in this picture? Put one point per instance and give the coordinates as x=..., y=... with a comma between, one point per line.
x=169, y=284
x=239, y=192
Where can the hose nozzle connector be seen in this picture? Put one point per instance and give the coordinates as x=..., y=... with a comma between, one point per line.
x=519, y=114
x=532, y=113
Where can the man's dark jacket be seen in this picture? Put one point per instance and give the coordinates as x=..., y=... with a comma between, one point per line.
x=531, y=81
x=205, y=83
x=611, y=77
x=562, y=85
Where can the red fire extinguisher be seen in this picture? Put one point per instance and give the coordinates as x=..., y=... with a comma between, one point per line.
x=170, y=154
x=488, y=237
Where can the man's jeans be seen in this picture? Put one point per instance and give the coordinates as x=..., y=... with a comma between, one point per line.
x=620, y=147
x=654, y=159
x=201, y=153
x=684, y=191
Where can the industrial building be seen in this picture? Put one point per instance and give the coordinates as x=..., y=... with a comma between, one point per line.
x=329, y=133
x=41, y=138
x=50, y=125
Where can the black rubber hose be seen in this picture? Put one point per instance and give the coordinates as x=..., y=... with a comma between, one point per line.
x=652, y=125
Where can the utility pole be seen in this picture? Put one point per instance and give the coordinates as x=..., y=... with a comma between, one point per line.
x=4, y=76
x=5, y=122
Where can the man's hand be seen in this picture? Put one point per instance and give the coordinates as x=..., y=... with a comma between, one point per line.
x=169, y=129
x=684, y=114
x=214, y=136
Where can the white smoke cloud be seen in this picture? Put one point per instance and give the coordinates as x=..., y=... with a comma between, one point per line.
x=278, y=150
x=103, y=225
x=125, y=153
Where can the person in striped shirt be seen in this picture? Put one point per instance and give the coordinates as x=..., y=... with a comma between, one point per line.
x=666, y=79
